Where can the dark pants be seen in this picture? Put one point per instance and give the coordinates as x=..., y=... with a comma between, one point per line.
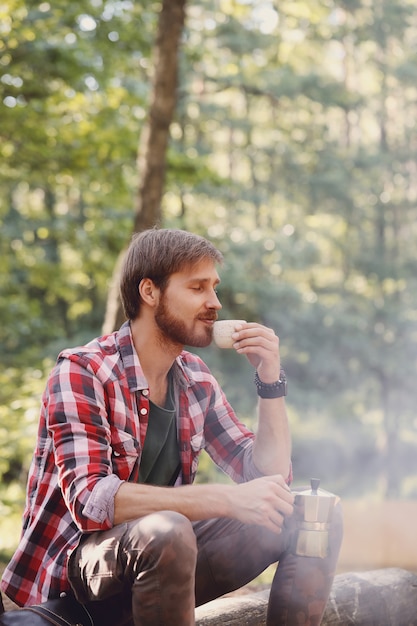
x=155, y=570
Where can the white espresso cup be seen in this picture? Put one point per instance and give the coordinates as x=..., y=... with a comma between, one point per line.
x=223, y=331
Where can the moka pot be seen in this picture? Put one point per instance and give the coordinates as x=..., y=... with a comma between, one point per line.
x=314, y=508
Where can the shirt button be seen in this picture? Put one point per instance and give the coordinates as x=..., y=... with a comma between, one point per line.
x=145, y=392
x=143, y=411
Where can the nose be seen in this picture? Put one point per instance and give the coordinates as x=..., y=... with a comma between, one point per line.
x=214, y=302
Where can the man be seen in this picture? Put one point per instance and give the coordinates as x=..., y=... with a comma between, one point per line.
x=112, y=515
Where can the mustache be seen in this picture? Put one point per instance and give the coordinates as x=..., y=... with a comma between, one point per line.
x=211, y=317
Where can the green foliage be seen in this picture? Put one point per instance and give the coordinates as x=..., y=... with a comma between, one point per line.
x=316, y=217
x=70, y=114
x=69, y=136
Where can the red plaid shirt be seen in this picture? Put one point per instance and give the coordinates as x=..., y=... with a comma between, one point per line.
x=92, y=428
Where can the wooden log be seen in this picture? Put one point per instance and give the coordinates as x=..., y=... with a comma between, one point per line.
x=245, y=610
x=385, y=597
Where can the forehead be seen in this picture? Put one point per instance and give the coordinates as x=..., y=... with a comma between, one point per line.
x=203, y=271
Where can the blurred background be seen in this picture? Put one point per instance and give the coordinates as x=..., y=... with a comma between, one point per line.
x=285, y=132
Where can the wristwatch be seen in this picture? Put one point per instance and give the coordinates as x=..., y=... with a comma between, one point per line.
x=278, y=389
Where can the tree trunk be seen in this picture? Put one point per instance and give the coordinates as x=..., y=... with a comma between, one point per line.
x=386, y=597
x=154, y=140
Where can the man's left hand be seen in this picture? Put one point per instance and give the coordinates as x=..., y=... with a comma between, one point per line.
x=260, y=345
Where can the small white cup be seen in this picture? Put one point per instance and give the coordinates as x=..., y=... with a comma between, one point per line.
x=223, y=331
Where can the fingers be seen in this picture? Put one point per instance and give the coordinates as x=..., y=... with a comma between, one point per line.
x=252, y=334
x=268, y=500
x=286, y=500
x=268, y=517
x=258, y=343
x=272, y=519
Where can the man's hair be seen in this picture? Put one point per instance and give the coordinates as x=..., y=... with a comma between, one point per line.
x=156, y=254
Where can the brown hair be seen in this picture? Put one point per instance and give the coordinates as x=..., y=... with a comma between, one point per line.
x=156, y=254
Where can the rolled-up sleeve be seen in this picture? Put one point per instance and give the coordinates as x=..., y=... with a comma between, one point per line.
x=100, y=505
x=86, y=440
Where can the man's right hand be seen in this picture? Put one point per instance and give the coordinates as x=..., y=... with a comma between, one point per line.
x=265, y=501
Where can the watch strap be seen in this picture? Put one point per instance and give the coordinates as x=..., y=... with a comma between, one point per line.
x=277, y=389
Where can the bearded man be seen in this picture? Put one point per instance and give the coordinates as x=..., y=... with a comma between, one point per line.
x=112, y=515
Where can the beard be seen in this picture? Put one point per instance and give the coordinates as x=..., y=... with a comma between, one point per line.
x=175, y=330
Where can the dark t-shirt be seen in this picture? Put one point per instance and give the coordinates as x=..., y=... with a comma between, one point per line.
x=160, y=462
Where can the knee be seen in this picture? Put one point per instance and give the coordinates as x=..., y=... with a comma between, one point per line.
x=164, y=535
x=172, y=527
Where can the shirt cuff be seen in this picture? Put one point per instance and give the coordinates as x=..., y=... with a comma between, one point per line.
x=100, y=505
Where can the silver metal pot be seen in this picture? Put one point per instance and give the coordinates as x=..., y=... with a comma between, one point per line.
x=314, y=509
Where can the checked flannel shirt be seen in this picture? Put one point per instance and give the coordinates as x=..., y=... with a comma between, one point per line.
x=92, y=428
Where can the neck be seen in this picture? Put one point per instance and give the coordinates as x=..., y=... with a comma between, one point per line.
x=156, y=356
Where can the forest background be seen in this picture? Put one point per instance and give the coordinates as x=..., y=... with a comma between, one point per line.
x=292, y=146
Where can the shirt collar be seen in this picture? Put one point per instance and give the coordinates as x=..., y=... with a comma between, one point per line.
x=135, y=376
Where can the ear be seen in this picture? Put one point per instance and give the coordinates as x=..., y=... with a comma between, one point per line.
x=148, y=292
